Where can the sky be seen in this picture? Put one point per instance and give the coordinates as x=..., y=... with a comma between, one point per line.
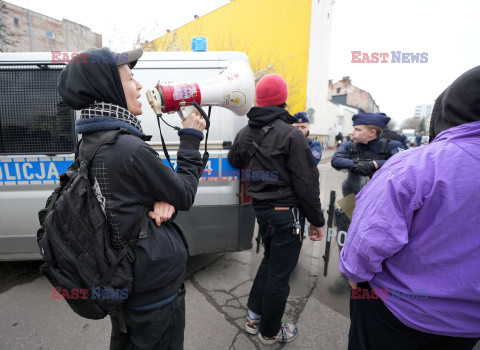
x=448, y=31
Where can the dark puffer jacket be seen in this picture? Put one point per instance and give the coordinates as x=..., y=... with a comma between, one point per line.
x=132, y=177
x=288, y=171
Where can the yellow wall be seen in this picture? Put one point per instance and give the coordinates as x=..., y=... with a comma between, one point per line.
x=274, y=34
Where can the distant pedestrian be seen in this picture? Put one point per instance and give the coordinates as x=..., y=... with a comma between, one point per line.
x=418, y=140
x=338, y=139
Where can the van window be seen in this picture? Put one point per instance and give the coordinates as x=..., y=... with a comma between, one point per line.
x=33, y=119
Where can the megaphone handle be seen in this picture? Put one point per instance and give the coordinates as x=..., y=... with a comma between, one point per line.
x=184, y=112
x=202, y=112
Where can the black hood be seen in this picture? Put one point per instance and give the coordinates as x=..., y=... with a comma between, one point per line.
x=260, y=116
x=94, y=77
x=458, y=104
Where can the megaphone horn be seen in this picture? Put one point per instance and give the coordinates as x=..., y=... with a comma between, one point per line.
x=233, y=89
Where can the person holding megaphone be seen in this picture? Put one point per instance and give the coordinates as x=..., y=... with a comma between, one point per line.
x=133, y=180
x=283, y=183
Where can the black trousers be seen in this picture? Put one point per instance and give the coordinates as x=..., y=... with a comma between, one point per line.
x=160, y=328
x=270, y=289
x=374, y=327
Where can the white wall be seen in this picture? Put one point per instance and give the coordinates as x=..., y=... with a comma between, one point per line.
x=319, y=47
x=336, y=118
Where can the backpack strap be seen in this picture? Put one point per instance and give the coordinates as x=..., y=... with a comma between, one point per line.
x=140, y=230
x=383, y=146
x=86, y=154
x=257, y=142
x=354, y=148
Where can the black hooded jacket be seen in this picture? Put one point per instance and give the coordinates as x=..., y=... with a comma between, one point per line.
x=286, y=160
x=458, y=104
x=132, y=177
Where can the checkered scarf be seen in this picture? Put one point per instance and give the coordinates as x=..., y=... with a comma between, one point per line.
x=103, y=109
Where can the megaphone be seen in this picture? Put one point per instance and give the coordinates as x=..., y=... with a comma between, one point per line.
x=234, y=89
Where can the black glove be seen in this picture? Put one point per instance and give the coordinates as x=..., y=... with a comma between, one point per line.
x=364, y=169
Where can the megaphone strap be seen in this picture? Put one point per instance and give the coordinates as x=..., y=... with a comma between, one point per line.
x=207, y=120
x=165, y=152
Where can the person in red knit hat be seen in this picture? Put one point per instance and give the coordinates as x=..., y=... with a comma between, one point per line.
x=282, y=179
x=272, y=90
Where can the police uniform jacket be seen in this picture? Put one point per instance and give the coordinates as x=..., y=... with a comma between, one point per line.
x=316, y=149
x=342, y=159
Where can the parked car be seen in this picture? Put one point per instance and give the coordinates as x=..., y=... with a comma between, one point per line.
x=411, y=141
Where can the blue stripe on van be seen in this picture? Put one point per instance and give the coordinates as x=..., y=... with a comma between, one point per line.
x=37, y=170
x=45, y=170
x=212, y=170
x=229, y=171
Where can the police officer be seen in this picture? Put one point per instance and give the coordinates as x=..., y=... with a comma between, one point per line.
x=367, y=152
x=301, y=122
x=286, y=193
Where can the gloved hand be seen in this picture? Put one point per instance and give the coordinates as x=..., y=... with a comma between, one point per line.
x=364, y=169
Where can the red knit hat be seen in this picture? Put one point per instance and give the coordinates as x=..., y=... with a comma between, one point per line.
x=271, y=90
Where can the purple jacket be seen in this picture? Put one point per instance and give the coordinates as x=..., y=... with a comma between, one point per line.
x=416, y=233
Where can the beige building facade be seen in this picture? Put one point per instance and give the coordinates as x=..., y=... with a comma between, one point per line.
x=343, y=92
x=24, y=30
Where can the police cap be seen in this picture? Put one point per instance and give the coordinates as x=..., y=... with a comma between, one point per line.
x=378, y=119
x=301, y=117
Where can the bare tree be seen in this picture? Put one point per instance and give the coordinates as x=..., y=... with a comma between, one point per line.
x=411, y=123
x=422, y=126
x=7, y=36
x=169, y=42
x=392, y=124
x=264, y=65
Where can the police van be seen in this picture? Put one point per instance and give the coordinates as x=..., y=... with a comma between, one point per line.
x=38, y=139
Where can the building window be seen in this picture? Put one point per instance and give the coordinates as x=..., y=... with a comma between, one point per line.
x=50, y=35
x=338, y=90
x=16, y=22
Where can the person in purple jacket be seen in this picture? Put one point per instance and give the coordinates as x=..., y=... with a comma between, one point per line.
x=412, y=252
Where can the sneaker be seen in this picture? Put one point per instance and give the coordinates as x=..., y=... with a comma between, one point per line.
x=286, y=334
x=252, y=325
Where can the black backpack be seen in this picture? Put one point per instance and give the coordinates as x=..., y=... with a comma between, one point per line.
x=74, y=239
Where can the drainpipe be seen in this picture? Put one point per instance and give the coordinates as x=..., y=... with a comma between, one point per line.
x=32, y=45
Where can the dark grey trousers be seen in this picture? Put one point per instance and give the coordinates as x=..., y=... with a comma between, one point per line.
x=161, y=328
